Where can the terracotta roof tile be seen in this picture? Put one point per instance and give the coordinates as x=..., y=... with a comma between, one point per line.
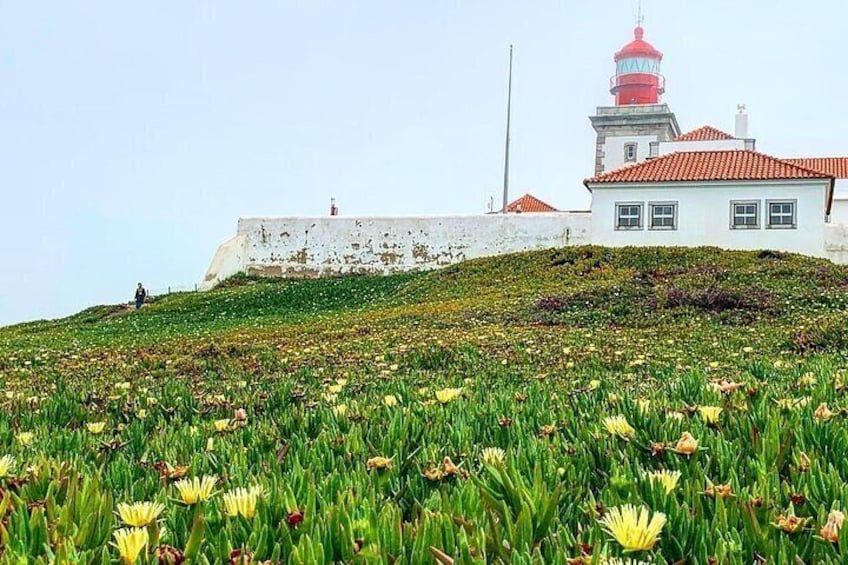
x=529, y=203
x=705, y=133
x=834, y=166
x=709, y=166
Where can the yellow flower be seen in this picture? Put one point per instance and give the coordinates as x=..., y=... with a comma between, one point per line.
x=130, y=543
x=140, y=514
x=720, y=491
x=687, y=445
x=433, y=474
x=492, y=455
x=644, y=405
x=790, y=523
x=808, y=379
x=141, y=414
x=96, y=427
x=727, y=387
x=378, y=464
x=242, y=502
x=668, y=479
x=222, y=425
x=823, y=413
x=804, y=462
x=25, y=438
x=196, y=490
x=631, y=527
x=618, y=426
x=7, y=463
x=830, y=531
x=593, y=384
x=390, y=400
x=793, y=403
x=710, y=414
x=334, y=389
x=340, y=410
x=448, y=394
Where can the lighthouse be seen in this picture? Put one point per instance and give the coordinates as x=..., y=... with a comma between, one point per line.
x=638, y=118
x=637, y=77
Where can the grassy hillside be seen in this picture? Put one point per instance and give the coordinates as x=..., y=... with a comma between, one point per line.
x=586, y=366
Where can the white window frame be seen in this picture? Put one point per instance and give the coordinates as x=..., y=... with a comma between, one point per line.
x=627, y=147
x=757, y=207
x=640, y=217
x=793, y=214
x=652, y=205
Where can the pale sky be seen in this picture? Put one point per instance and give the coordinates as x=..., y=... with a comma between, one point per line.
x=134, y=134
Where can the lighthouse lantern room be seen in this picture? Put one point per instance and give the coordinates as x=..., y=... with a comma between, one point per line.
x=637, y=77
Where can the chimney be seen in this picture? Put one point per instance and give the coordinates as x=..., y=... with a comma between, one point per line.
x=334, y=210
x=741, y=123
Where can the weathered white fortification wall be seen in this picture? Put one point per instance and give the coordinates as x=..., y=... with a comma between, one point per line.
x=836, y=243
x=314, y=247
x=228, y=261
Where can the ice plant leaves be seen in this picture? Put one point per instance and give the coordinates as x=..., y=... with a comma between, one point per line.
x=479, y=395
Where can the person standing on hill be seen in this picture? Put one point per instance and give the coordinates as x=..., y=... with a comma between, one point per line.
x=140, y=295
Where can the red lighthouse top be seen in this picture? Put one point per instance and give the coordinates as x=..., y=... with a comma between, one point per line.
x=638, y=47
x=637, y=77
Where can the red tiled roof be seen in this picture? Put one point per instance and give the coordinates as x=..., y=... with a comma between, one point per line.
x=705, y=133
x=833, y=166
x=529, y=203
x=736, y=164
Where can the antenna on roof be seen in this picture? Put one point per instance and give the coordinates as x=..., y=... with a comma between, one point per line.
x=640, y=15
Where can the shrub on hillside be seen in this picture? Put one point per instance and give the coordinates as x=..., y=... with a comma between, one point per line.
x=622, y=305
x=829, y=335
x=717, y=299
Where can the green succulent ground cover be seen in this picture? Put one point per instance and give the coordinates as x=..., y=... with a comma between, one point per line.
x=341, y=400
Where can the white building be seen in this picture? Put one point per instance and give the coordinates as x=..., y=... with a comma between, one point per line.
x=705, y=187
x=732, y=198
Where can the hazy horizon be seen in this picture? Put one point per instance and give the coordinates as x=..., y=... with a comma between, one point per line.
x=133, y=137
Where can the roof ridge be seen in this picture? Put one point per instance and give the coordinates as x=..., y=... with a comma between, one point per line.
x=530, y=196
x=802, y=167
x=718, y=134
x=819, y=158
x=657, y=162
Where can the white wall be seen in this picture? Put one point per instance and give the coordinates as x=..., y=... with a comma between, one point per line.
x=836, y=243
x=839, y=209
x=312, y=247
x=704, y=215
x=229, y=260
x=712, y=145
x=614, y=150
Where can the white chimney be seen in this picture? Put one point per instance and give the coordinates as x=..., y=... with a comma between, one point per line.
x=741, y=123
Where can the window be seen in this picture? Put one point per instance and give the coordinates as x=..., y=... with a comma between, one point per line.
x=630, y=152
x=781, y=214
x=628, y=216
x=745, y=215
x=663, y=216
